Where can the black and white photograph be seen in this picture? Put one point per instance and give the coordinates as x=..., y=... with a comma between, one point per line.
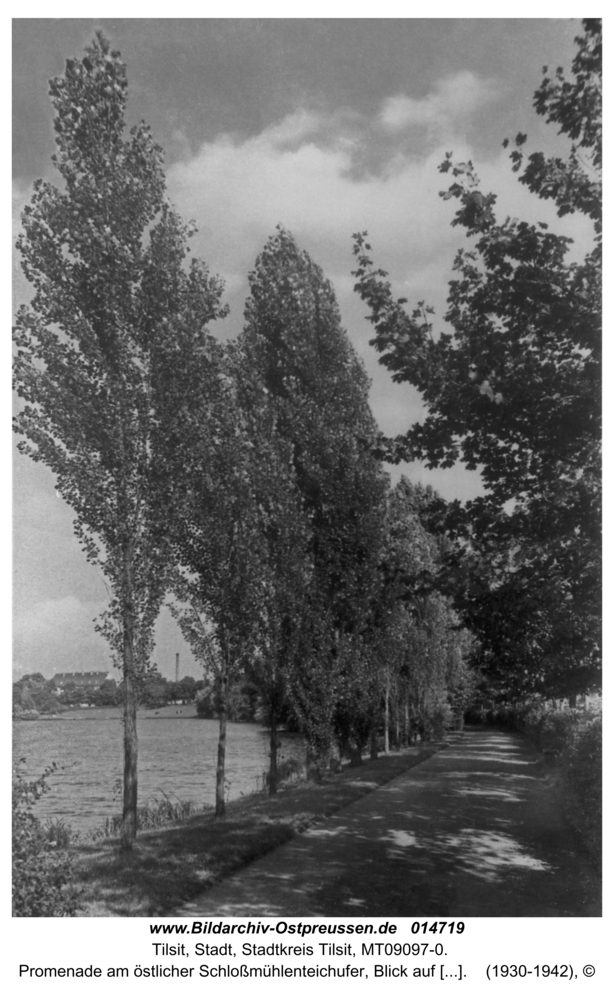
x=307, y=484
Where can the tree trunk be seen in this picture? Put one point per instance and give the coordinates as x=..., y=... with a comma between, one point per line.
x=220, y=802
x=128, y=834
x=355, y=756
x=387, y=716
x=374, y=743
x=397, y=727
x=407, y=732
x=273, y=766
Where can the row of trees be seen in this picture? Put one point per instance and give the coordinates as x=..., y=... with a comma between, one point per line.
x=245, y=479
x=36, y=693
x=241, y=479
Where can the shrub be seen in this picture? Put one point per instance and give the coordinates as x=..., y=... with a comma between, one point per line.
x=573, y=737
x=439, y=720
x=581, y=760
x=290, y=771
x=41, y=867
x=59, y=833
x=551, y=729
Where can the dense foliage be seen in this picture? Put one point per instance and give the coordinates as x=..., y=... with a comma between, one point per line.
x=33, y=693
x=512, y=386
x=282, y=537
x=294, y=343
x=573, y=737
x=41, y=868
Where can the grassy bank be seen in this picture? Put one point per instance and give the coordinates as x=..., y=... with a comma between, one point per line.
x=174, y=864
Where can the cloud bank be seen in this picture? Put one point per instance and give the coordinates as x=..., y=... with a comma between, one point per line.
x=451, y=104
x=327, y=175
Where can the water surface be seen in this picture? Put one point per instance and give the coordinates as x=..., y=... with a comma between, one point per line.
x=177, y=757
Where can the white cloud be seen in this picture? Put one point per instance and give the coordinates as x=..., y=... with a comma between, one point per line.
x=295, y=129
x=299, y=173
x=452, y=100
x=239, y=191
x=302, y=172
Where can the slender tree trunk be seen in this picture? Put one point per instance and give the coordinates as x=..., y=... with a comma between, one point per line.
x=273, y=766
x=397, y=724
x=387, y=716
x=220, y=802
x=128, y=834
x=407, y=733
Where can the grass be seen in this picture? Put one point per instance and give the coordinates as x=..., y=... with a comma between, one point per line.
x=156, y=813
x=172, y=865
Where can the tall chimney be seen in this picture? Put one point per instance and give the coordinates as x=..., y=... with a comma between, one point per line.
x=176, y=667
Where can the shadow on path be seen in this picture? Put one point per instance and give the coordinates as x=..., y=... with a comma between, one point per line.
x=477, y=830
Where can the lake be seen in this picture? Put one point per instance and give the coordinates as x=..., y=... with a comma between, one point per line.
x=177, y=757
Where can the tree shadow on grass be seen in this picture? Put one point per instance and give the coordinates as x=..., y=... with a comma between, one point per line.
x=170, y=866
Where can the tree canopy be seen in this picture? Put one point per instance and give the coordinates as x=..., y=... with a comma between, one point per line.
x=294, y=343
x=511, y=387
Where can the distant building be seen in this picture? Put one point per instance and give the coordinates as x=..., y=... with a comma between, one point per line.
x=91, y=680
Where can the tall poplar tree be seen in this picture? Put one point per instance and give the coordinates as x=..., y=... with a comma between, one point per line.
x=114, y=305
x=219, y=540
x=294, y=343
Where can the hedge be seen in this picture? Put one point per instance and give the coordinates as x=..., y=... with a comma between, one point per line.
x=573, y=738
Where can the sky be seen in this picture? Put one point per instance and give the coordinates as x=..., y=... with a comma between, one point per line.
x=327, y=126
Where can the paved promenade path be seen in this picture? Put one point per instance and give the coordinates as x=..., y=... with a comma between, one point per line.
x=477, y=830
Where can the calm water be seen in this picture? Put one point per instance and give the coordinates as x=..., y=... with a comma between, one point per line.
x=177, y=756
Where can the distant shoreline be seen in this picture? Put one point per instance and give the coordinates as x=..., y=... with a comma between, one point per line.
x=110, y=712
x=102, y=713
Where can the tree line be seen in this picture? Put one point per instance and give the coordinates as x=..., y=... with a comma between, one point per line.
x=34, y=693
x=243, y=481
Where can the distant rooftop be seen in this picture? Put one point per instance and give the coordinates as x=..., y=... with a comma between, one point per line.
x=91, y=678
